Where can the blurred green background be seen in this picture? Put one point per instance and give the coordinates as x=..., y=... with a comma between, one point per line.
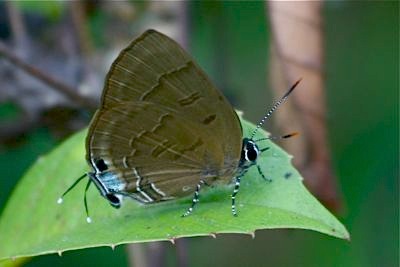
x=362, y=75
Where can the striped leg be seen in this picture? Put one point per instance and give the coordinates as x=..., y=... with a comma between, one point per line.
x=195, y=199
x=262, y=174
x=235, y=191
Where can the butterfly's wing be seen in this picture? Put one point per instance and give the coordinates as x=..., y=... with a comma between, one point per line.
x=154, y=68
x=151, y=76
x=157, y=152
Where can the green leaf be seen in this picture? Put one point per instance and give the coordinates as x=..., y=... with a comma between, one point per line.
x=33, y=223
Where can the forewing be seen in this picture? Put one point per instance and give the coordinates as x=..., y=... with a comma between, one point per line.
x=154, y=68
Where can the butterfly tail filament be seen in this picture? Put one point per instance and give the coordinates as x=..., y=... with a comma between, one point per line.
x=88, y=219
x=60, y=199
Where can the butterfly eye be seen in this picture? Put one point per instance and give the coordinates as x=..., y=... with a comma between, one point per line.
x=251, y=154
x=114, y=201
x=250, y=150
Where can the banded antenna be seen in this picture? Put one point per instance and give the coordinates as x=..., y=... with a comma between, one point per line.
x=274, y=107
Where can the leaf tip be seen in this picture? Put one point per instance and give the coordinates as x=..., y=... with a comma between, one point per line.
x=347, y=236
x=112, y=246
x=172, y=240
x=213, y=235
x=59, y=253
x=252, y=234
x=60, y=200
x=88, y=219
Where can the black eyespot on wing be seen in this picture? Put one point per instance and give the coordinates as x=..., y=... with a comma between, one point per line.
x=114, y=201
x=101, y=165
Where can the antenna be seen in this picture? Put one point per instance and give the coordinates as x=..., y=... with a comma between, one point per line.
x=277, y=137
x=274, y=107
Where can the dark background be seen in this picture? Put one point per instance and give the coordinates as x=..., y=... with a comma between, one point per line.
x=362, y=81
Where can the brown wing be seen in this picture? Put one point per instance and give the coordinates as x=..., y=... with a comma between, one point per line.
x=156, y=69
x=163, y=149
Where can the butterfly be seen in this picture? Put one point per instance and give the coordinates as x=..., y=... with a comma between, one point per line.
x=163, y=131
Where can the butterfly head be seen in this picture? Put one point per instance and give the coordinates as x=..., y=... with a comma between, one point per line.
x=250, y=149
x=250, y=152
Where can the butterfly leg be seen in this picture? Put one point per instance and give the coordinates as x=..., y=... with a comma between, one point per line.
x=259, y=168
x=195, y=199
x=262, y=174
x=235, y=191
